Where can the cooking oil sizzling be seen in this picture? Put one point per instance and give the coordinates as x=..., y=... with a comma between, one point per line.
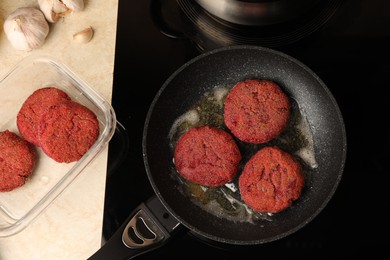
x=225, y=201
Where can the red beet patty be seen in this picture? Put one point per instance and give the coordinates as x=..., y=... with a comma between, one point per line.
x=256, y=111
x=34, y=107
x=207, y=156
x=67, y=131
x=271, y=180
x=17, y=160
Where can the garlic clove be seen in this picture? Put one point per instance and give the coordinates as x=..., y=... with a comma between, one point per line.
x=74, y=5
x=52, y=9
x=26, y=28
x=55, y=9
x=83, y=36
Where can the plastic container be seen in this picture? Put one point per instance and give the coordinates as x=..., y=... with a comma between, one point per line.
x=49, y=179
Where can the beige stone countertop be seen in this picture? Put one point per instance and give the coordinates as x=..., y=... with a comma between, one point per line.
x=71, y=226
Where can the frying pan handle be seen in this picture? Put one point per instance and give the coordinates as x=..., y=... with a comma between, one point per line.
x=142, y=231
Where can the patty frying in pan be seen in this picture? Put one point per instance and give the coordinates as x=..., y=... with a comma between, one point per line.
x=207, y=156
x=256, y=111
x=271, y=180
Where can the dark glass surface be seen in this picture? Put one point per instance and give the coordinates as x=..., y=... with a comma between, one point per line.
x=350, y=53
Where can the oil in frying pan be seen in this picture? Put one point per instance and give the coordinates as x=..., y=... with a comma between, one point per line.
x=225, y=201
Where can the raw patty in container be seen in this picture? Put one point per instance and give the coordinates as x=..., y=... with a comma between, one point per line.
x=271, y=180
x=207, y=156
x=67, y=131
x=256, y=111
x=17, y=160
x=34, y=107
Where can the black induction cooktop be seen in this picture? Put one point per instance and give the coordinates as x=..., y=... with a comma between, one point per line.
x=349, y=51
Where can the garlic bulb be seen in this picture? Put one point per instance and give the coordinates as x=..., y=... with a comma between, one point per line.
x=26, y=28
x=55, y=9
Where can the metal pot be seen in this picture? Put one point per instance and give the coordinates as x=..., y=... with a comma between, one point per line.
x=257, y=12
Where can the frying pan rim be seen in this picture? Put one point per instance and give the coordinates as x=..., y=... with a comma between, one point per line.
x=191, y=227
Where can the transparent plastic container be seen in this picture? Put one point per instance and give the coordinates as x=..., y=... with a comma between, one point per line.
x=49, y=179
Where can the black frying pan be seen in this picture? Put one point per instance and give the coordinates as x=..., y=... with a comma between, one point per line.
x=153, y=222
